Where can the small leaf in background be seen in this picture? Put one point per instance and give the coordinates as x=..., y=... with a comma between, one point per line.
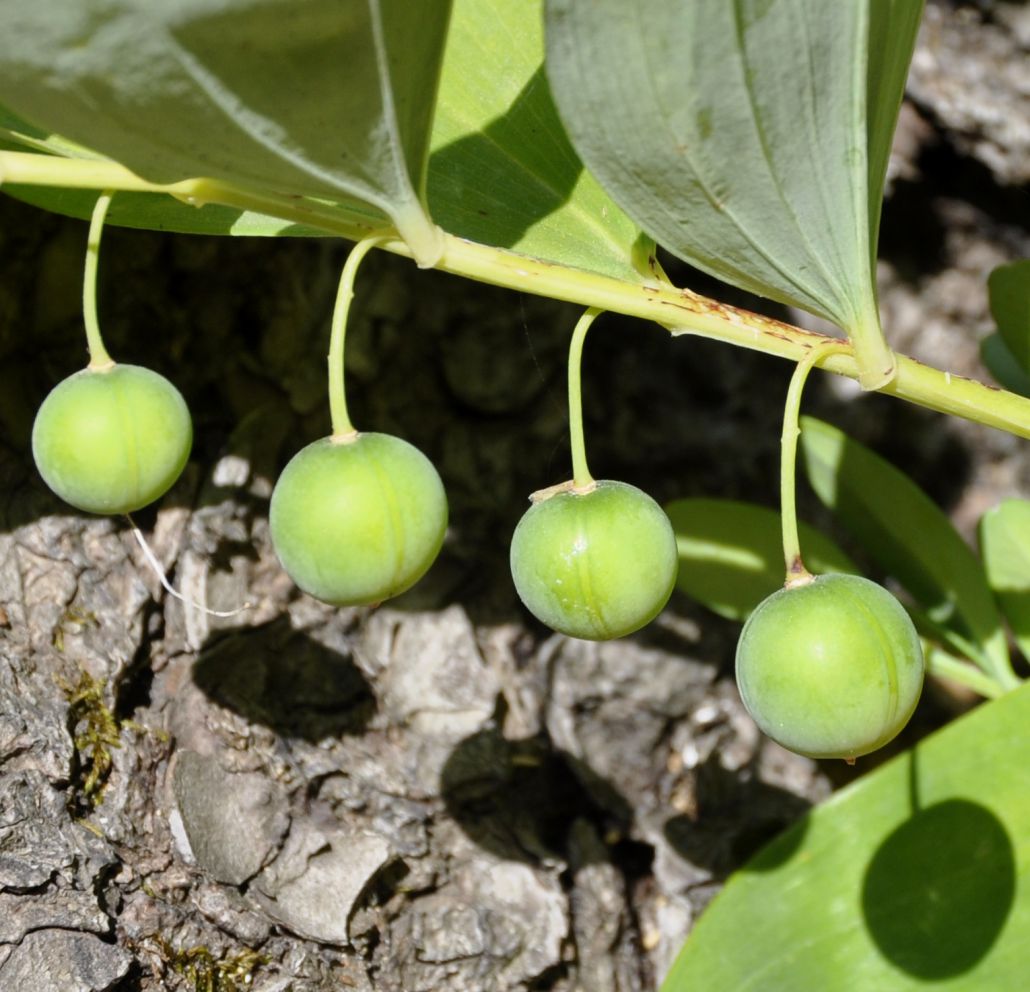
x=908, y=536
x=917, y=873
x=731, y=553
x=1005, y=546
x=1002, y=365
x=502, y=171
x=325, y=100
x=659, y=98
x=1008, y=287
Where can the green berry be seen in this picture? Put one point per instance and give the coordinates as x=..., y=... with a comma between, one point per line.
x=112, y=440
x=597, y=564
x=360, y=520
x=832, y=668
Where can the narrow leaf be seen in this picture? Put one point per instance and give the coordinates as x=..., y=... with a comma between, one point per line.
x=908, y=535
x=731, y=553
x=916, y=874
x=1008, y=287
x=318, y=99
x=502, y=170
x=1005, y=546
x=738, y=135
x=893, y=26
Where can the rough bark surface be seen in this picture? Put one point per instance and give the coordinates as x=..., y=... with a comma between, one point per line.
x=435, y=794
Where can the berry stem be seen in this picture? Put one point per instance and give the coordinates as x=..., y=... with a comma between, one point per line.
x=343, y=429
x=99, y=359
x=797, y=574
x=582, y=480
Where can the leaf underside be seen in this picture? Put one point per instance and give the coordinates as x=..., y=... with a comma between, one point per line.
x=323, y=100
x=501, y=170
x=740, y=135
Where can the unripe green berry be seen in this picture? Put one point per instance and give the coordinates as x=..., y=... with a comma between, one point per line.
x=831, y=668
x=112, y=440
x=596, y=565
x=357, y=521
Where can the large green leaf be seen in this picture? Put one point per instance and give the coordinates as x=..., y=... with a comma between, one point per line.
x=731, y=553
x=909, y=536
x=1005, y=546
x=310, y=97
x=1009, y=290
x=502, y=170
x=916, y=875
x=740, y=135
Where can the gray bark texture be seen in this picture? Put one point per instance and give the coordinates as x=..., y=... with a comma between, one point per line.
x=436, y=795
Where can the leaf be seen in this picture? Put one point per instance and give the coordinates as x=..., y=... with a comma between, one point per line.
x=319, y=99
x=1003, y=366
x=1005, y=546
x=731, y=553
x=502, y=171
x=917, y=873
x=893, y=26
x=1008, y=287
x=737, y=135
x=909, y=536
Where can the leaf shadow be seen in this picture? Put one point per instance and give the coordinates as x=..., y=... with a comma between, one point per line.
x=939, y=889
x=285, y=679
x=469, y=183
x=736, y=817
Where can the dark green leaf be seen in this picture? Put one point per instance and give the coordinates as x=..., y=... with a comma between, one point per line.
x=909, y=536
x=741, y=136
x=731, y=553
x=916, y=875
x=893, y=26
x=1003, y=366
x=1009, y=289
x=1005, y=546
x=313, y=98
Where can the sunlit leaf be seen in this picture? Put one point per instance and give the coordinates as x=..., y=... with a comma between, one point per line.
x=916, y=875
x=741, y=136
x=502, y=171
x=908, y=535
x=1005, y=546
x=1008, y=287
x=316, y=98
x=731, y=553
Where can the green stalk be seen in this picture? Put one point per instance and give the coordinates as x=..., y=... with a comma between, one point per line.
x=582, y=480
x=99, y=359
x=343, y=429
x=679, y=310
x=797, y=574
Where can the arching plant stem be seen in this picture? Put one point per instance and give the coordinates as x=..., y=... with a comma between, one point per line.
x=582, y=480
x=797, y=574
x=343, y=429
